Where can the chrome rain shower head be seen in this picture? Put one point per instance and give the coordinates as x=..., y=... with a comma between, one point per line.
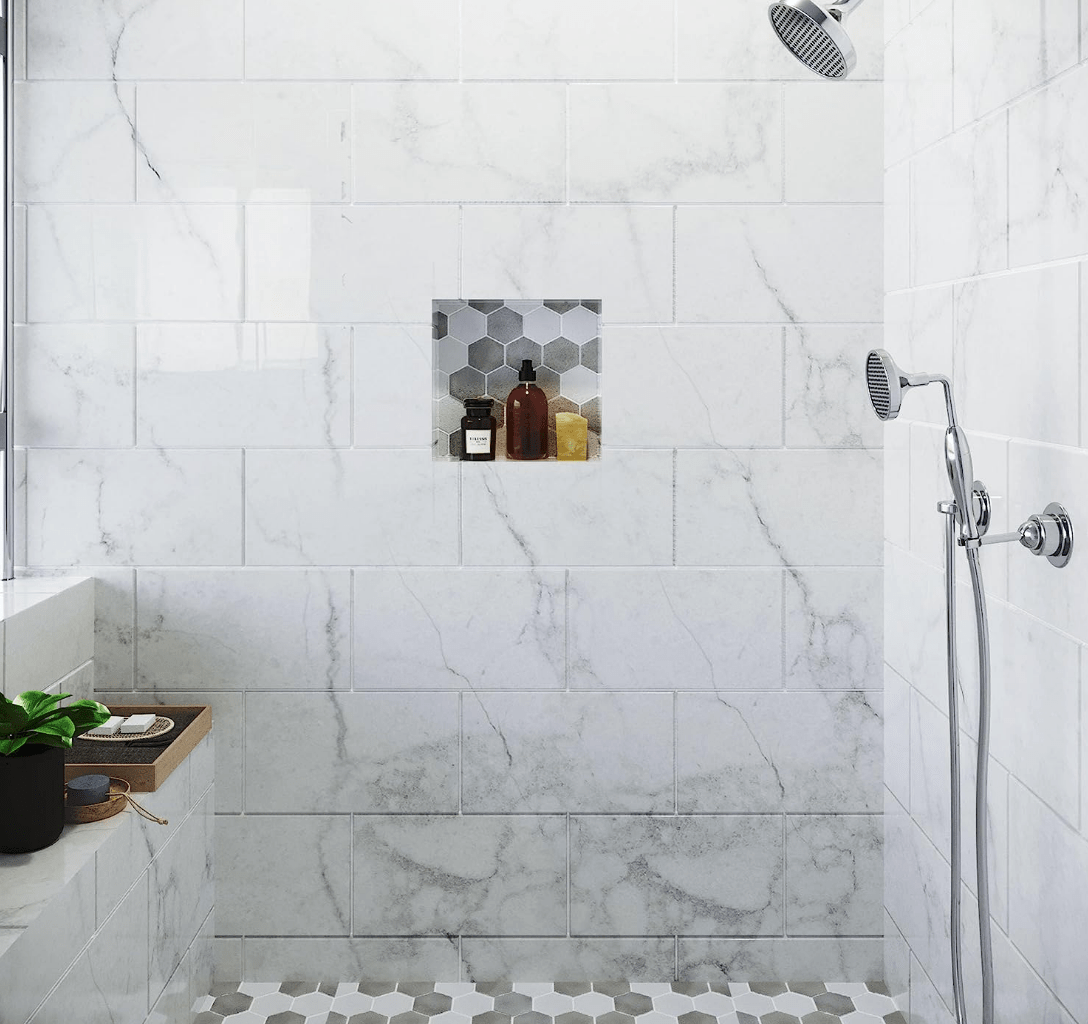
x=813, y=33
x=815, y=36
x=883, y=379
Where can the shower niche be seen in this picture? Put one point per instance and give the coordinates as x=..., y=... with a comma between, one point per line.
x=480, y=348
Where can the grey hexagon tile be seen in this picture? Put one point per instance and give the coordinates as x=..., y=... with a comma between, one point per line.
x=580, y=385
x=591, y=355
x=287, y=1017
x=580, y=324
x=513, y=1003
x=574, y=1017
x=408, y=1017
x=521, y=349
x=207, y=1017
x=452, y=355
x=432, y=1003
x=594, y=305
x=807, y=988
x=819, y=1017
x=368, y=1018
x=485, y=355
x=573, y=988
x=231, y=1002
x=615, y=1017
x=834, y=1002
x=467, y=325
x=440, y=324
x=634, y=1003
x=490, y=1017
x=467, y=382
x=532, y=1017
x=778, y=1017
x=561, y=305
x=504, y=325
x=561, y=354
x=486, y=305
x=548, y=382
x=542, y=325
x=271, y=1002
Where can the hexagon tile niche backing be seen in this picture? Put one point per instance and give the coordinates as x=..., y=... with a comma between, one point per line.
x=478, y=348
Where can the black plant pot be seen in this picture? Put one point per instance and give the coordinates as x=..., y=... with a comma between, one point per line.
x=31, y=798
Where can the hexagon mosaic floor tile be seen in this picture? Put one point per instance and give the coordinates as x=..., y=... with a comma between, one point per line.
x=478, y=348
x=561, y=1003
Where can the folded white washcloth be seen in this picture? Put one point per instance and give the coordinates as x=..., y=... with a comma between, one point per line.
x=138, y=723
x=107, y=728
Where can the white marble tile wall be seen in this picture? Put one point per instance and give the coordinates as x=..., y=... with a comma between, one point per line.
x=990, y=252
x=474, y=681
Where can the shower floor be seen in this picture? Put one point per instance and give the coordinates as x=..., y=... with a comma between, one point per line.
x=569, y=1003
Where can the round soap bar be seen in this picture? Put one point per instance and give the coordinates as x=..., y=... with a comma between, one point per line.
x=88, y=789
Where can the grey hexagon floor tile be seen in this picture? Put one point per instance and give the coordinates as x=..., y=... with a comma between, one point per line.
x=232, y=1002
x=834, y=1002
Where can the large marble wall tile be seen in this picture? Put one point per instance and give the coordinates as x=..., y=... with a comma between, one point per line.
x=833, y=628
x=918, y=83
x=663, y=629
x=134, y=507
x=694, y=385
x=687, y=143
x=75, y=142
x=567, y=752
x=223, y=385
x=202, y=961
x=897, y=484
x=1004, y=49
x=827, y=404
x=811, y=752
x=47, y=640
x=723, y=960
x=745, y=264
x=959, y=211
x=460, y=875
x=830, y=155
x=84, y=39
x=392, y=385
x=914, y=624
x=1048, y=173
x=352, y=507
x=1036, y=694
x=243, y=629
x=677, y=875
x=1038, y=475
x=897, y=213
x=617, y=511
x=355, y=752
x=449, y=142
x=896, y=963
x=574, y=959
x=777, y=507
x=40, y=954
x=1020, y=994
x=346, y=39
x=304, y=959
x=459, y=630
x=109, y=981
x=995, y=315
x=366, y=263
x=927, y=1006
x=302, y=888
x=227, y=722
x=182, y=892
x=102, y=262
x=537, y=41
x=835, y=867
x=619, y=254
x=731, y=41
x=1048, y=900
x=897, y=736
x=75, y=384
x=237, y=142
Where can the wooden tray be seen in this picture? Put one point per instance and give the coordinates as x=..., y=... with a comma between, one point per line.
x=148, y=777
x=80, y=814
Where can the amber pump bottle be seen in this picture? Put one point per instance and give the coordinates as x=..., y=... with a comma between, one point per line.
x=527, y=417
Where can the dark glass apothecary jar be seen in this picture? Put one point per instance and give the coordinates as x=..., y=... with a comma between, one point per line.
x=478, y=429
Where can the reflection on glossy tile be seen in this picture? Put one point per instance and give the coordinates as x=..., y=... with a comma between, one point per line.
x=237, y=142
x=224, y=385
x=263, y=629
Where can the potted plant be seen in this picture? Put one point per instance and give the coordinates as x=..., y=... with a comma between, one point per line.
x=34, y=733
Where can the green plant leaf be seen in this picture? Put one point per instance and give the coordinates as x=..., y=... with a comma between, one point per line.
x=86, y=714
x=10, y=744
x=12, y=718
x=58, y=727
x=38, y=704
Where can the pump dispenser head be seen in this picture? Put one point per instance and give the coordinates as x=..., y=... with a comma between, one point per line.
x=526, y=372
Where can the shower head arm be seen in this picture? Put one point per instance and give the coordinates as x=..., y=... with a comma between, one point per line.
x=914, y=380
x=839, y=9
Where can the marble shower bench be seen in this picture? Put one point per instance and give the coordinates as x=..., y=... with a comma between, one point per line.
x=114, y=922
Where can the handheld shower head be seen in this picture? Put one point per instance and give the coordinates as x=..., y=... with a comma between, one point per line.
x=886, y=383
x=813, y=33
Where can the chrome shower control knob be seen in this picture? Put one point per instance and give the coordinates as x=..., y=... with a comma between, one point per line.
x=1049, y=534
